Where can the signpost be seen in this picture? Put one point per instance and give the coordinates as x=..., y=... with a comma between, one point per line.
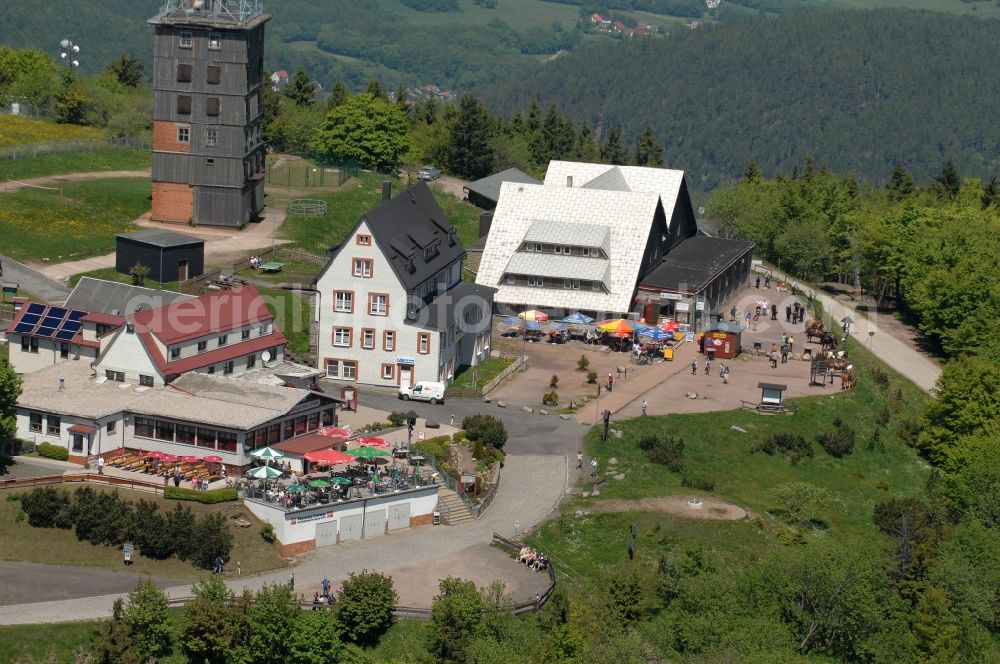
x=127, y=550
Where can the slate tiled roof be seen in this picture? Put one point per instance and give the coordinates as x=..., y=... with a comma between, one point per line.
x=109, y=297
x=489, y=187
x=628, y=216
x=161, y=238
x=404, y=226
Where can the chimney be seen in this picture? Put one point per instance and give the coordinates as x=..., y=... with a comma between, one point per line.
x=386, y=190
x=485, y=222
x=62, y=383
x=569, y=181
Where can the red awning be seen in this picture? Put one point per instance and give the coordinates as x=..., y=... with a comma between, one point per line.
x=80, y=428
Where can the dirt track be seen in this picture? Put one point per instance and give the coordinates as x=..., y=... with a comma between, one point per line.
x=711, y=509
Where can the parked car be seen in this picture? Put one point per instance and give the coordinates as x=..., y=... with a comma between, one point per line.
x=423, y=390
x=428, y=173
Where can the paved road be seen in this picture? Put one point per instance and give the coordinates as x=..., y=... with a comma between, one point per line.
x=33, y=281
x=894, y=352
x=46, y=583
x=530, y=490
x=529, y=433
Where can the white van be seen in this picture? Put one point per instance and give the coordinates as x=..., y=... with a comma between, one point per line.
x=423, y=390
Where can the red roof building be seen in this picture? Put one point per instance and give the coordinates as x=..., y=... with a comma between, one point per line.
x=226, y=332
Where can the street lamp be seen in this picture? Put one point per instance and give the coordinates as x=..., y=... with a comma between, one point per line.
x=411, y=421
x=68, y=53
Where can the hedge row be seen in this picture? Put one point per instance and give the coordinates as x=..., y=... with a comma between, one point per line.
x=204, y=497
x=50, y=451
x=105, y=518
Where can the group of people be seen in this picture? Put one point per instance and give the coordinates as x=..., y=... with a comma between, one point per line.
x=256, y=262
x=795, y=313
x=532, y=558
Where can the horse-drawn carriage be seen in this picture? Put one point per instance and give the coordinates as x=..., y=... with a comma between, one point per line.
x=816, y=330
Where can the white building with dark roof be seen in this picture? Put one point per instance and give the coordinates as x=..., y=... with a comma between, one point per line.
x=581, y=240
x=393, y=308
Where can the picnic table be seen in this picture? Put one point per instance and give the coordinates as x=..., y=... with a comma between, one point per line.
x=272, y=266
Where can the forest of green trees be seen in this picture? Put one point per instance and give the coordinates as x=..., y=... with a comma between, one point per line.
x=859, y=91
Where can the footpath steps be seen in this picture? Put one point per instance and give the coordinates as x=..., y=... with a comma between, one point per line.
x=452, y=507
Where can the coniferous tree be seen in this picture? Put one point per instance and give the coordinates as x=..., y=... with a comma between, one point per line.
x=470, y=153
x=612, y=150
x=991, y=194
x=301, y=90
x=127, y=70
x=401, y=97
x=534, y=114
x=554, y=140
x=648, y=151
x=901, y=183
x=751, y=174
x=375, y=88
x=585, y=148
x=947, y=180
x=338, y=95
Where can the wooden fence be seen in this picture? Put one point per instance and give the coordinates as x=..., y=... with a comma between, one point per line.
x=93, y=478
x=516, y=366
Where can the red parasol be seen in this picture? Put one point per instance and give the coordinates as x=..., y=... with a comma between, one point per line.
x=155, y=454
x=670, y=326
x=373, y=441
x=167, y=457
x=212, y=458
x=332, y=457
x=335, y=432
x=188, y=458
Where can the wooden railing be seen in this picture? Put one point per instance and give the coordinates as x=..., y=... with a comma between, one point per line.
x=94, y=478
x=526, y=607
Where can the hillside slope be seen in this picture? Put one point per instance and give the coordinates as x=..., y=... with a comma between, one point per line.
x=857, y=90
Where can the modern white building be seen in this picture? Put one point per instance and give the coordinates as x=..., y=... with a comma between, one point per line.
x=581, y=240
x=393, y=308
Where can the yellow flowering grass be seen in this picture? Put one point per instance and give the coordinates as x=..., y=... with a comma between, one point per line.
x=15, y=130
x=41, y=224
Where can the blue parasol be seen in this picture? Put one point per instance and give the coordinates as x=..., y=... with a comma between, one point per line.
x=577, y=318
x=511, y=320
x=556, y=326
x=655, y=333
x=532, y=325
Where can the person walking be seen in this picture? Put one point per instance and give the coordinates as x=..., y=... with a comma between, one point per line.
x=326, y=587
x=644, y=406
x=788, y=314
x=732, y=314
x=708, y=365
x=725, y=374
x=774, y=312
x=758, y=282
x=291, y=581
x=611, y=382
x=749, y=316
x=774, y=359
x=100, y=465
x=593, y=467
x=784, y=353
x=694, y=366
x=767, y=281
x=579, y=459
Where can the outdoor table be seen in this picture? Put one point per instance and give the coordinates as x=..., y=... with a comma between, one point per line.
x=417, y=459
x=272, y=266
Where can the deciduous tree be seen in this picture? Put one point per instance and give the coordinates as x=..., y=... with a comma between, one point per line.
x=455, y=618
x=365, y=129
x=364, y=607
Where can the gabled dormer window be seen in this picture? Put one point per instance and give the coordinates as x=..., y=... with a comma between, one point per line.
x=451, y=238
x=430, y=252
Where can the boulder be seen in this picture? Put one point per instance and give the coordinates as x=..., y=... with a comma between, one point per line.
x=613, y=461
x=619, y=476
x=564, y=416
x=486, y=399
x=431, y=424
x=736, y=428
x=618, y=434
x=527, y=409
x=501, y=404
x=542, y=411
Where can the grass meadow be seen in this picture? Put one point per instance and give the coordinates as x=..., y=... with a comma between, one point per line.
x=79, y=220
x=112, y=159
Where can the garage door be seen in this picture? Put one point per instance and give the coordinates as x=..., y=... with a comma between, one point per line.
x=326, y=533
x=350, y=527
x=374, y=523
x=399, y=516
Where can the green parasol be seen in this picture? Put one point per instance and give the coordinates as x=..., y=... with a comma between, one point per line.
x=340, y=480
x=267, y=453
x=295, y=488
x=319, y=484
x=264, y=473
x=365, y=452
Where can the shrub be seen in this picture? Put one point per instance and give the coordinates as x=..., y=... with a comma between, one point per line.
x=669, y=453
x=486, y=428
x=204, y=497
x=695, y=480
x=838, y=443
x=149, y=531
x=648, y=442
x=50, y=451
x=211, y=539
x=881, y=377
x=397, y=418
x=550, y=398
x=583, y=363
x=792, y=446
x=592, y=377
x=554, y=381
x=364, y=607
x=47, y=507
x=436, y=447
x=267, y=533
x=478, y=451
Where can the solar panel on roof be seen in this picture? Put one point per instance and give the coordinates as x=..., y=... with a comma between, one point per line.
x=77, y=315
x=65, y=335
x=51, y=321
x=35, y=308
x=72, y=325
x=58, y=312
x=45, y=331
x=24, y=328
x=31, y=319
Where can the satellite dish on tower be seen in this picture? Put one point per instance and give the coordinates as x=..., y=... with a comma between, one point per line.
x=265, y=357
